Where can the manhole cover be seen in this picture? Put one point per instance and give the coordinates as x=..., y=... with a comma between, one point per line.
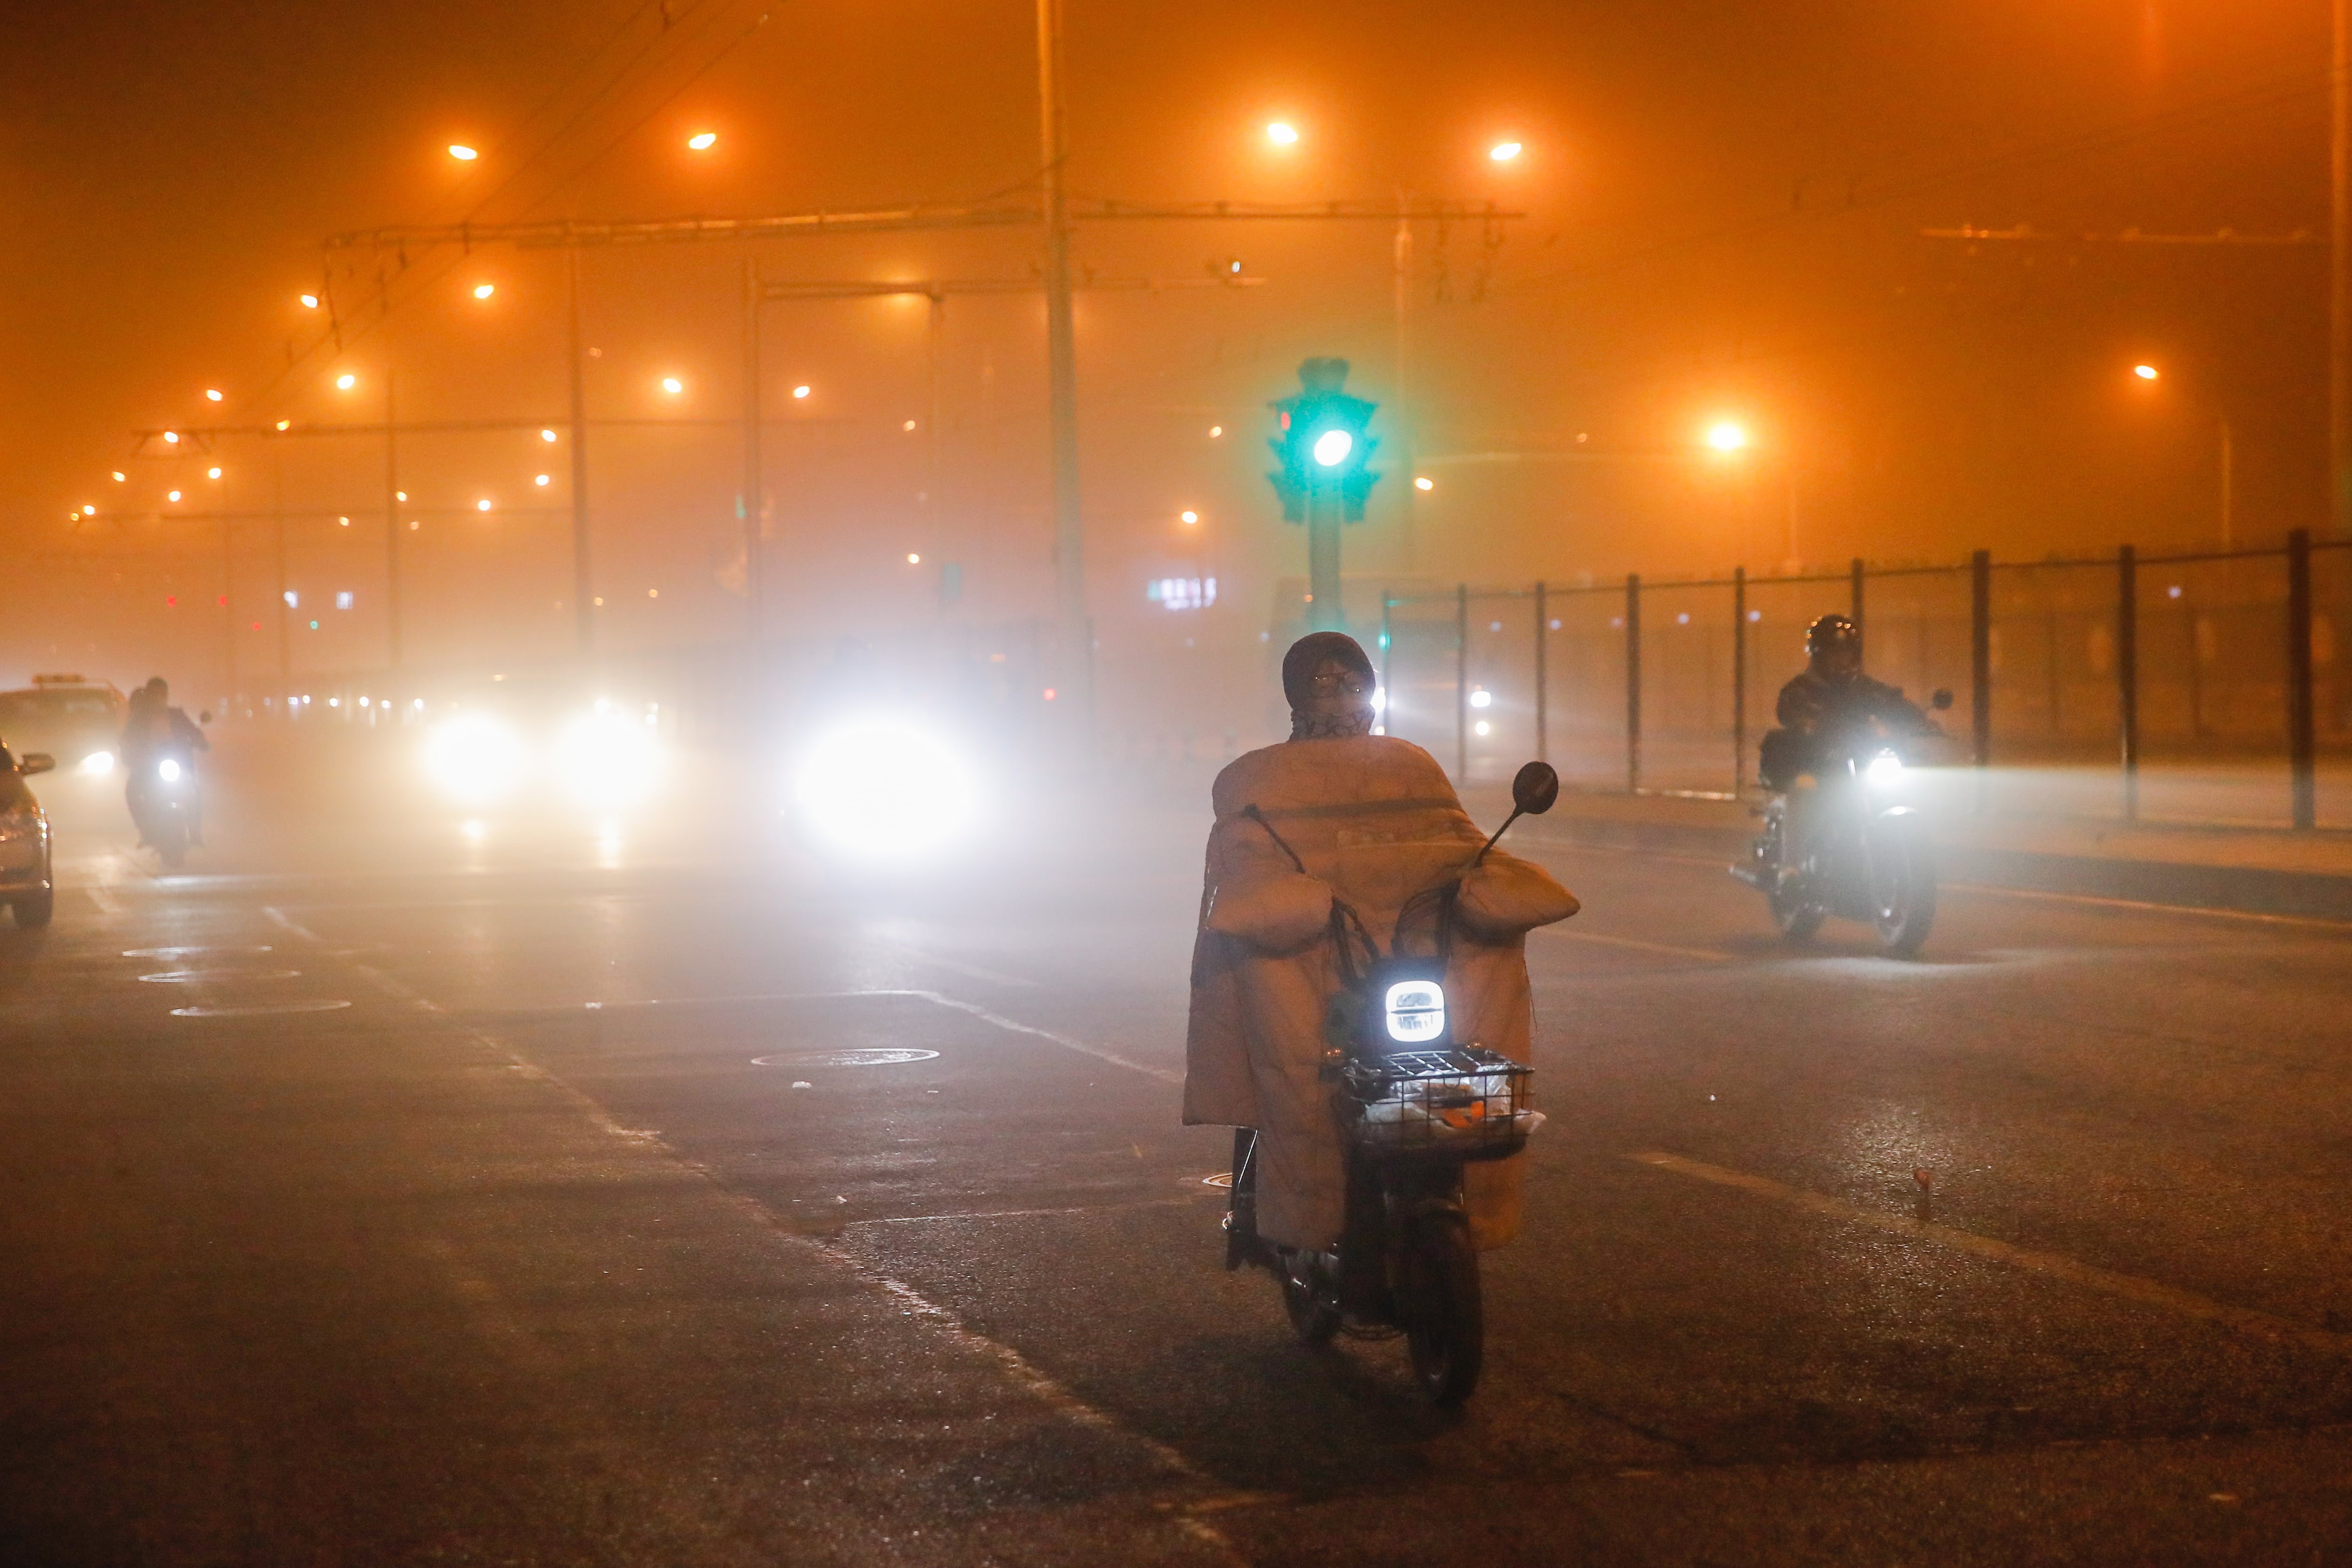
x=208, y=977
x=259, y=1008
x=868, y=1058
x=179, y=952
x=1221, y=1179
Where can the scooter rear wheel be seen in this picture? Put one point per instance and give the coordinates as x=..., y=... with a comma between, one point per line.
x=1445, y=1319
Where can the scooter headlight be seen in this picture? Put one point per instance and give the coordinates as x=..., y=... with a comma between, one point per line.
x=1885, y=770
x=168, y=770
x=1416, y=1012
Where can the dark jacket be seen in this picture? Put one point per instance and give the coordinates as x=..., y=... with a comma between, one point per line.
x=1830, y=708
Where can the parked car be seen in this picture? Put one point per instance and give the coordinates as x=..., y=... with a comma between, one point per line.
x=27, y=883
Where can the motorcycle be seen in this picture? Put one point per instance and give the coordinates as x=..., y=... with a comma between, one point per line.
x=164, y=806
x=1416, y=1107
x=1857, y=846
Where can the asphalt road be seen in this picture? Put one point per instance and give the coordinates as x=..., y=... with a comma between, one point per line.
x=389, y=1190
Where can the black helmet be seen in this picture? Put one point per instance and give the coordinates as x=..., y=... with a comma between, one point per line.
x=1832, y=631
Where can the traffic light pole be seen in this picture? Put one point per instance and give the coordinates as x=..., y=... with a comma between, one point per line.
x=1329, y=612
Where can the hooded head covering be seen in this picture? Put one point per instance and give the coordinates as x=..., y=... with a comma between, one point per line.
x=1316, y=714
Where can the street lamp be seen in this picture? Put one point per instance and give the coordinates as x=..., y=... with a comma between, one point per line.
x=1727, y=435
x=343, y=382
x=484, y=291
x=703, y=141
x=2148, y=375
x=1505, y=152
x=463, y=153
x=672, y=386
x=1282, y=133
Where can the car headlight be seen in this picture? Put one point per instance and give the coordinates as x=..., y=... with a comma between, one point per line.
x=474, y=757
x=168, y=770
x=1885, y=770
x=97, y=764
x=605, y=759
x=885, y=790
x=1416, y=1012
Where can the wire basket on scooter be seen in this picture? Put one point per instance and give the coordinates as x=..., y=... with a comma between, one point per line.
x=1464, y=1105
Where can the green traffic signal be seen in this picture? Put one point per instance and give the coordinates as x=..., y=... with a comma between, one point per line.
x=1322, y=447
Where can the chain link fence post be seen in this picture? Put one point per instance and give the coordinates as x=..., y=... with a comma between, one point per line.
x=1633, y=683
x=2127, y=675
x=2302, y=748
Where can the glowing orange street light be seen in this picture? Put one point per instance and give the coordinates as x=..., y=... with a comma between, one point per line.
x=541, y=481
x=120, y=476
x=212, y=395
x=1188, y=517
x=913, y=559
x=173, y=495
x=800, y=392
x=310, y=301
x=171, y=437
x=346, y=381
x=2146, y=371
x=484, y=291
x=1281, y=133
x=703, y=141
x=1726, y=435
x=212, y=473
x=1424, y=483
x=1504, y=151
x=463, y=153
x=547, y=435
x=1215, y=431
x=672, y=386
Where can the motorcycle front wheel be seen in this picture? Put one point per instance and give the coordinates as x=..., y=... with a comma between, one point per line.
x=1902, y=883
x=170, y=838
x=1797, y=918
x=1445, y=1324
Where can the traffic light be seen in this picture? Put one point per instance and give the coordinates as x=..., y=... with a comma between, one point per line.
x=1322, y=447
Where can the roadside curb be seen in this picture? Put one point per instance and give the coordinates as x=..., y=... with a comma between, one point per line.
x=2245, y=890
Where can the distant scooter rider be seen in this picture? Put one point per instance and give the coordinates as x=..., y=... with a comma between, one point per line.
x=154, y=729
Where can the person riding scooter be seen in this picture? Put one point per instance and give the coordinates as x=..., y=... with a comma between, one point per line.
x=1339, y=830
x=153, y=732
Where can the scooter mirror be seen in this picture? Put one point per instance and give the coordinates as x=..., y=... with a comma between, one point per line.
x=32, y=762
x=1534, y=788
x=1942, y=700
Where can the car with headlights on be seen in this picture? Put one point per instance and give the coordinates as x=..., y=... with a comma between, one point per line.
x=528, y=743
x=27, y=883
x=75, y=719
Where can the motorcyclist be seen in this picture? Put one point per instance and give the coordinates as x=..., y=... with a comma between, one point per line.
x=1823, y=705
x=1339, y=819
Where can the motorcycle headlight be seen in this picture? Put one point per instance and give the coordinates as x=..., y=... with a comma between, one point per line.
x=885, y=790
x=474, y=757
x=1885, y=770
x=168, y=770
x=1416, y=1012
x=97, y=764
x=607, y=758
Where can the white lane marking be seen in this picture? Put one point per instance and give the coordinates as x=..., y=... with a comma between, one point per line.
x=212, y=976
x=321, y=1005
x=1164, y=1075
x=2200, y=911
x=1710, y=955
x=1028, y=1214
x=993, y=977
x=2131, y=1288
x=1018, y=1369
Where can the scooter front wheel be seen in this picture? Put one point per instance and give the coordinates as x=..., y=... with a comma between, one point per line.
x=1445, y=1320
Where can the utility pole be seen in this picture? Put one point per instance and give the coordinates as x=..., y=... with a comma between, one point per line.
x=754, y=612
x=583, y=605
x=1075, y=676
x=390, y=530
x=2339, y=272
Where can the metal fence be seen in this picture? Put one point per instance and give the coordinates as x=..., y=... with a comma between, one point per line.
x=2209, y=684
